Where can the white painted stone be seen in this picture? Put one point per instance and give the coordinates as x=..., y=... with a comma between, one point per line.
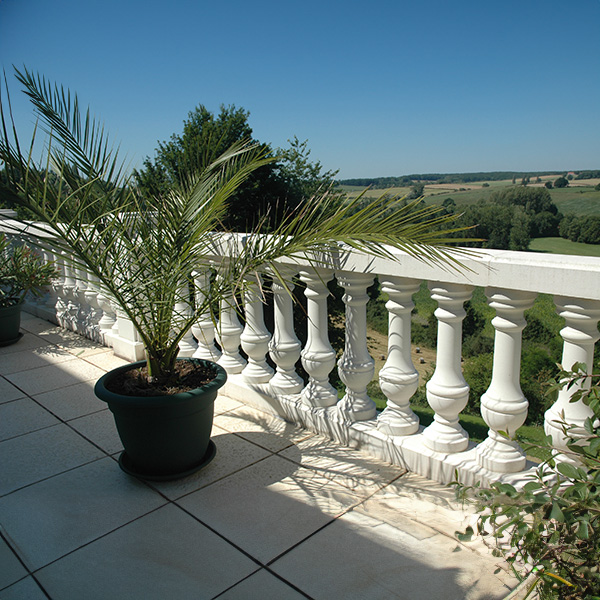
x=579, y=335
x=356, y=367
x=447, y=390
x=318, y=357
x=204, y=328
x=255, y=337
x=284, y=347
x=398, y=378
x=503, y=406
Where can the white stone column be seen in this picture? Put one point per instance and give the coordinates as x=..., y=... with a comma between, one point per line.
x=83, y=314
x=183, y=312
x=447, y=390
x=58, y=287
x=503, y=406
x=69, y=316
x=229, y=331
x=579, y=334
x=108, y=318
x=285, y=346
x=356, y=367
x=204, y=328
x=95, y=314
x=398, y=378
x=255, y=337
x=318, y=357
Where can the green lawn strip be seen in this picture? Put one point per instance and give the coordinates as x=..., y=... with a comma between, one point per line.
x=557, y=245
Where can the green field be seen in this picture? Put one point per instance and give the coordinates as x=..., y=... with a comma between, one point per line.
x=554, y=245
x=579, y=200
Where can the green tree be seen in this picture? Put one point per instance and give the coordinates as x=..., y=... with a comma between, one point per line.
x=561, y=182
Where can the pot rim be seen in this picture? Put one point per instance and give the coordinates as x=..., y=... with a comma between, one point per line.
x=107, y=396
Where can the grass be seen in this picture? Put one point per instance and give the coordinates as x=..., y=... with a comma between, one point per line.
x=556, y=245
x=575, y=199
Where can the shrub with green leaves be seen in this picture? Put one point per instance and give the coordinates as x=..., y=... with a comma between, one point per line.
x=551, y=526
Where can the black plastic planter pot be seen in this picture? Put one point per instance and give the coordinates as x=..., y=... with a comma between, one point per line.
x=164, y=437
x=10, y=323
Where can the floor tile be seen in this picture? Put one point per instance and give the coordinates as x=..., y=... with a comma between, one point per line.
x=166, y=554
x=358, y=557
x=23, y=416
x=11, y=569
x=35, y=456
x=33, y=358
x=233, y=454
x=258, y=427
x=8, y=392
x=270, y=506
x=99, y=428
x=264, y=586
x=346, y=466
x=26, y=589
x=72, y=401
x=28, y=341
x=45, y=523
x=106, y=361
x=224, y=404
x=52, y=377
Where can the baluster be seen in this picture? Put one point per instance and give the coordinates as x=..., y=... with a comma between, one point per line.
x=91, y=296
x=183, y=312
x=356, y=367
x=69, y=290
x=204, y=328
x=255, y=337
x=58, y=287
x=503, y=406
x=285, y=346
x=51, y=299
x=579, y=334
x=398, y=378
x=229, y=332
x=318, y=357
x=108, y=319
x=83, y=313
x=447, y=391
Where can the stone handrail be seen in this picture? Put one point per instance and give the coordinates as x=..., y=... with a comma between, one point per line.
x=511, y=280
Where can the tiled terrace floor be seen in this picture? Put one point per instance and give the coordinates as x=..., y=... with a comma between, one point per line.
x=279, y=514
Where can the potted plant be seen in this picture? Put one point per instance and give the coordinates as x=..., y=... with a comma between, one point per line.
x=142, y=250
x=22, y=271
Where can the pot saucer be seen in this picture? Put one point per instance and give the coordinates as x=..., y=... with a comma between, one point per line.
x=13, y=341
x=126, y=466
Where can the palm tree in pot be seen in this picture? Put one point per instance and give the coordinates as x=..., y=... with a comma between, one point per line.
x=143, y=249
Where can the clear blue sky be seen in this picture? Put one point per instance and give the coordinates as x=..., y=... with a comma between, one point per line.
x=379, y=88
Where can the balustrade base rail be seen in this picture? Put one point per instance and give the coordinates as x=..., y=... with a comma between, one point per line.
x=410, y=452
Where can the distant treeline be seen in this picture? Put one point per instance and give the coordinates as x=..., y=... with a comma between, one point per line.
x=407, y=180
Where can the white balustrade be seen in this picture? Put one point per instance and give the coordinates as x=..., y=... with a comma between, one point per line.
x=398, y=379
x=318, y=357
x=503, y=406
x=447, y=390
x=204, y=328
x=255, y=337
x=356, y=367
x=579, y=334
x=512, y=281
x=285, y=346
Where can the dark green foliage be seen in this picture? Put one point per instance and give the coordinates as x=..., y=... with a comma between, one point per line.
x=585, y=229
x=561, y=182
x=548, y=185
x=553, y=522
x=407, y=180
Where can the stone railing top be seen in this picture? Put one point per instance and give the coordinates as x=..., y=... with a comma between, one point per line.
x=557, y=274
